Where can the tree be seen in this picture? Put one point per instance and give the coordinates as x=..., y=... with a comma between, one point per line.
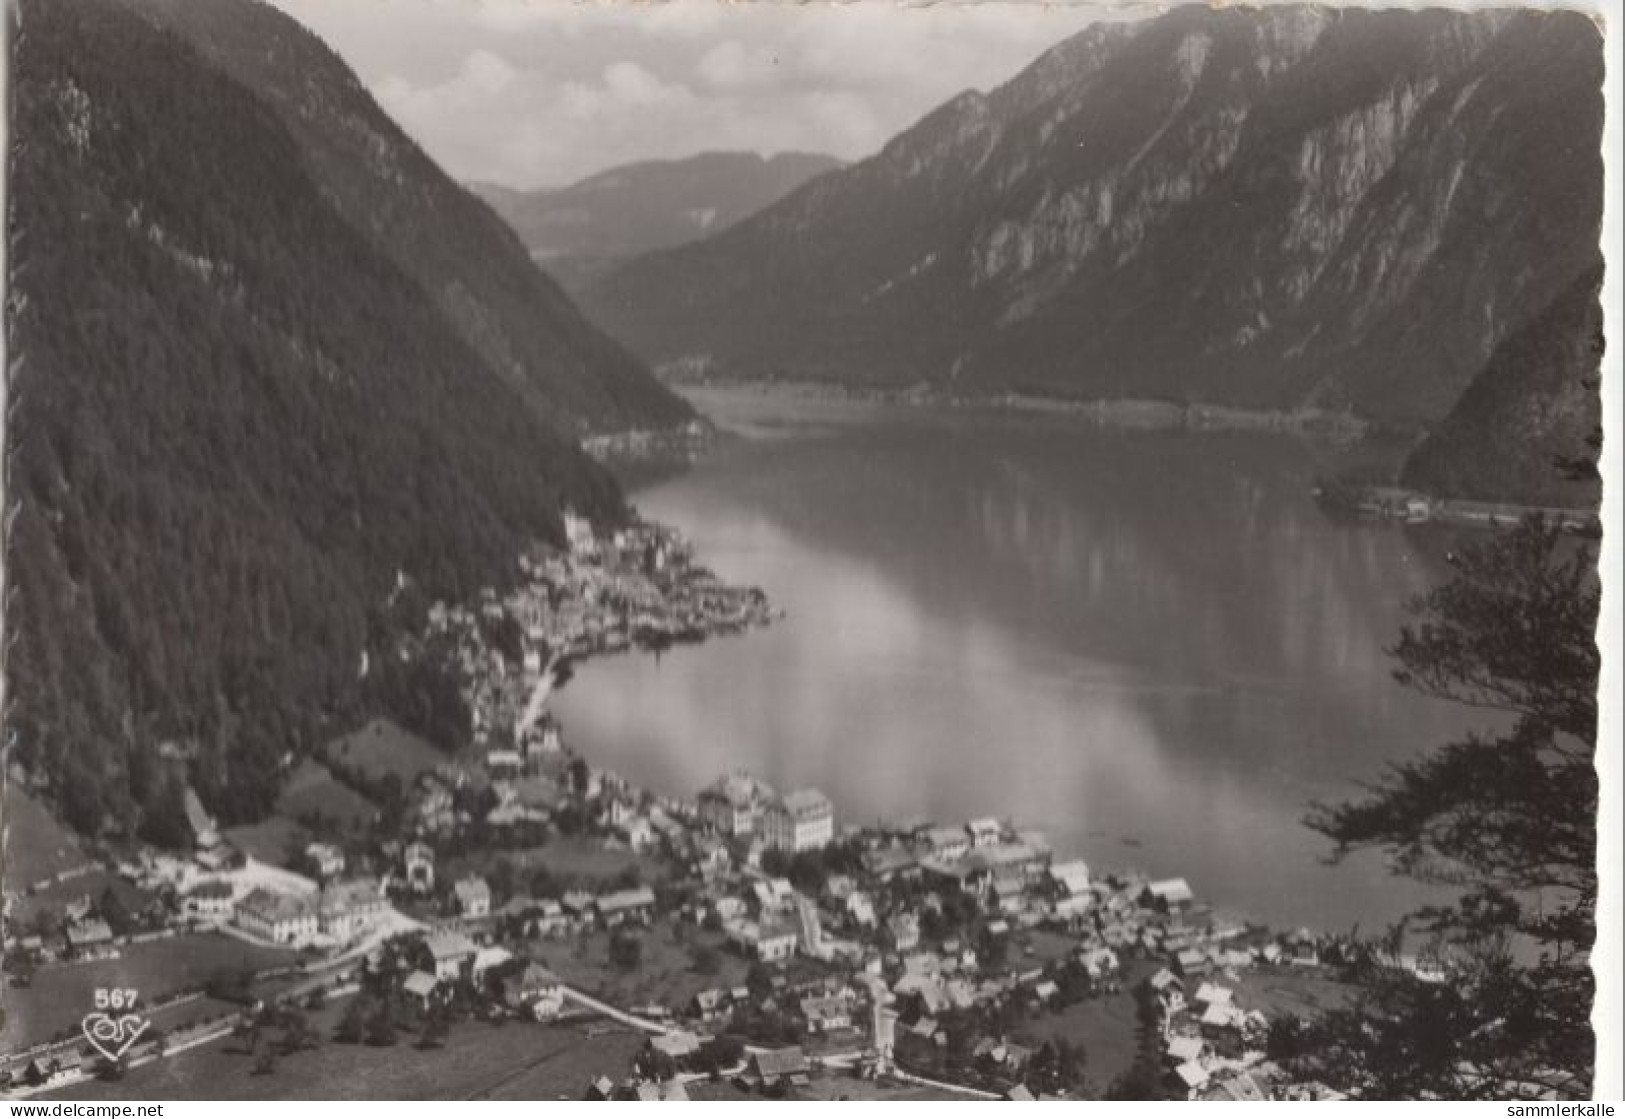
x=352, y=1025
x=381, y=1025
x=625, y=951
x=655, y=1064
x=502, y=879
x=759, y=980
x=435, y=1031
x=1143, y=1080
x=247, y=1031
x=298, y=1034
x=542, y=882
x=1057, y=1066
x=724, y=1051
x=1507, y=818
x=705, y=959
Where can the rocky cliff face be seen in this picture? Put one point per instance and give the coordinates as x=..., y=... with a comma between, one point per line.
x=1281, y=208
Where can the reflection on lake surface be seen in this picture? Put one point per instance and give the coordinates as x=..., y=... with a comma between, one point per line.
x=1153, y=646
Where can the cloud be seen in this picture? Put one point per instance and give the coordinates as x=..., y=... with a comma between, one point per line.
x=581, y=17
x=488, y=72
x=543, y=92
x=732, y=65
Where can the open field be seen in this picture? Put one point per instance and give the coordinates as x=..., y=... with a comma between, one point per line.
x=569, y=859
x=313, y=792
x=37, y=844
x=665, y=975
x=514, y=1061
x=1036, y=947
x=381, y=747
x=1105, y=1027
x=270, y=840
x=61, y=994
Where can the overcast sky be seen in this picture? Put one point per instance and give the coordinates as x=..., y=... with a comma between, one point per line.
x=542, y=92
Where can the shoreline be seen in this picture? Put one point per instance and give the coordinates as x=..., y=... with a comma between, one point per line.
x=1415, y=507
x=1126, y=413
x=1375, y=502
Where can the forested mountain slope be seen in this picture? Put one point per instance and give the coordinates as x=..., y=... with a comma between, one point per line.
x=459, y=251
x=238, y=421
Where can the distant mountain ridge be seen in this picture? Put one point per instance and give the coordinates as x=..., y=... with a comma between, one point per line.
x=251, y=406
x=581, y=230
x=1274, y=208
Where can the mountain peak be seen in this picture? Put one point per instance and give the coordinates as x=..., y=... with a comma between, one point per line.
x=582, y=229
x=1276, y=207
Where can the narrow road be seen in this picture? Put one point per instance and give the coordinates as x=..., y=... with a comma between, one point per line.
x=647, y=1025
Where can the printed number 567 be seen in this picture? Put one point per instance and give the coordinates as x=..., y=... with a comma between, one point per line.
x=116, y=998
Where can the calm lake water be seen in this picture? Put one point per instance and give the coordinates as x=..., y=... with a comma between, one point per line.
x=1153, y=646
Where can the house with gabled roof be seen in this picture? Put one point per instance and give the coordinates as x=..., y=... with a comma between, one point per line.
x=421, y=986
x=1189, y=1079
x=623, y=906
x=523, y=985
x=450, y=953
x=1169, y=894
x=775, y=1065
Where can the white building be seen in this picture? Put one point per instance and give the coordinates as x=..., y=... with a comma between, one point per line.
x=418, y=862
x=579, y=535
x=326, y=858
x=347, y=908
x=1072, y=877
x=826, y=1014
x=1170, y=893
x=279, y=918
x=800, y=821
x=734, y=804
x=768, y=942
x=947, y=844
x=211, y=901
x=905, y=931
x=984, y=832
x=473, y=896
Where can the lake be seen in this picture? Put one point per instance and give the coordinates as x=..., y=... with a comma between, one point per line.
x=1151, y=645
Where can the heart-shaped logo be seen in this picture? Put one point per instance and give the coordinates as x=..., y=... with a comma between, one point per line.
x=112, y=1037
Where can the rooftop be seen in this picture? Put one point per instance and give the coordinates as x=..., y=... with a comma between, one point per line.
x=270, y=906
x=790, y=1061
x=626, y=899
x=472, y=886
x=449, y=945
x=806, y=802
x=740, y=789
